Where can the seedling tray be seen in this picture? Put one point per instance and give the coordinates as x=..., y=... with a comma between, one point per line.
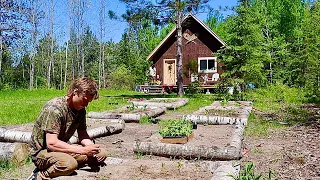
x=177, y=139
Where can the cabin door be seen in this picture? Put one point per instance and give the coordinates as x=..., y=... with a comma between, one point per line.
x=169, y=71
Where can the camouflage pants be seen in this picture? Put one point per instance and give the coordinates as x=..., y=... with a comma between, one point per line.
x=53, y=164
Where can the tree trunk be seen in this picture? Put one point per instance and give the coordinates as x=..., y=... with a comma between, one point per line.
x=1, y=50
x=179, y=51
x=51, y=46
x=101, y=14
x=14, y=136
x=188, y=152
x=16, y=152
x=61, y=71
x=112, y=126
x=34, y=20
x=223, y=172
x=169, y=105
x=203, y=119
x=66, y=66
x=127, y=117
x=237, y=137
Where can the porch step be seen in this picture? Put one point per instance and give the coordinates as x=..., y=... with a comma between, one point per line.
x=155, y=90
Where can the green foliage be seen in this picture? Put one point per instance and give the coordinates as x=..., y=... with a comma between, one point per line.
x=194, y=88
x=274, y=106
x=175, y=127
x=121, y=79
x=146, y=120
x=248, y=173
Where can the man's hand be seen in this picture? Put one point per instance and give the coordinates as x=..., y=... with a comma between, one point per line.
x=90, y=150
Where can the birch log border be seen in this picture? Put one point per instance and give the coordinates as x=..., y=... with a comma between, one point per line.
x=170, y=105
x=232, y=152
x=244, y=111
x=127, y=117
x=187, y=151
x=215, y=120
x=7, y=135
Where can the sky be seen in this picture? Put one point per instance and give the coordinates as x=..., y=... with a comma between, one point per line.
x=114, y=29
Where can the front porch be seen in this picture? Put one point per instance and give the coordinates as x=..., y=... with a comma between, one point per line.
x=169, y=88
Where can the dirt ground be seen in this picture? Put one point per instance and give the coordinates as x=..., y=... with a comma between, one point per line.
x=293, y=153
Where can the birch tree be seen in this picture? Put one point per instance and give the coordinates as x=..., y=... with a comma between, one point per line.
x=12, y=15
x=101, y=76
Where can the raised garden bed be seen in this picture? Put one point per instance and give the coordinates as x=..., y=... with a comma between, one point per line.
x=176, y=131
x=169, y=103
x=130, y=113
x=218, y=113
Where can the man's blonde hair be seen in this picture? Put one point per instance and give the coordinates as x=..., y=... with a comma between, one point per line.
x=84, y=85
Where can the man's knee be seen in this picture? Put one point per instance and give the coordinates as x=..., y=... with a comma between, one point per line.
x=66, y=164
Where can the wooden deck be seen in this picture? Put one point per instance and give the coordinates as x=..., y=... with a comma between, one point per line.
x=167, y=88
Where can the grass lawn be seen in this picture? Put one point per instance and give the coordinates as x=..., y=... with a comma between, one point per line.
x=23, y=106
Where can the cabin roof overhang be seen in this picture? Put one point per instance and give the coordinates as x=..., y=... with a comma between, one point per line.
x=173, y=32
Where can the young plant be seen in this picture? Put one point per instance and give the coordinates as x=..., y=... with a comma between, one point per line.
x=175, y=127
x=131, y=107
x=145, y=120
x=163, y=167
x=249, y=174
x=179, y=166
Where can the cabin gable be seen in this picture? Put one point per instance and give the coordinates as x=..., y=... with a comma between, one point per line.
x=198, y=43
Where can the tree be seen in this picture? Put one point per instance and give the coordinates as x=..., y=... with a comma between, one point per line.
x=164, y=12
x=244, y=57
x=13, y=15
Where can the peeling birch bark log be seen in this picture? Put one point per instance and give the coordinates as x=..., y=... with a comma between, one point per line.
x=216, y=120
x=106, y=115
x=237, y=137
x=223, y=172
x=222, y=169
x=16, y=152
x=14, y=136
x=112, y=127
x=169, y=105
x=188, y=152
x=242, y=112
x=127, y=117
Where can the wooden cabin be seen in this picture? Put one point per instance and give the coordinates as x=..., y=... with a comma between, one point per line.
x=199, y=43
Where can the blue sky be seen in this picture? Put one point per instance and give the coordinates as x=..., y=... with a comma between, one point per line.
x=114, y=29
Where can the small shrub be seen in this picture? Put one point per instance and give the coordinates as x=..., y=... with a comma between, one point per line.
x=194, y=88
x=146, y=120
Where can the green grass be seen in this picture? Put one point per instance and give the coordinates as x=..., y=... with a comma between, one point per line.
x=195, y=102
x=279, y=104
x=23, y=106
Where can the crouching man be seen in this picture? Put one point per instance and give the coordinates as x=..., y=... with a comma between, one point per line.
x=58, y=120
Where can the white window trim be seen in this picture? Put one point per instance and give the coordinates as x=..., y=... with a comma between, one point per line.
x=207, y=71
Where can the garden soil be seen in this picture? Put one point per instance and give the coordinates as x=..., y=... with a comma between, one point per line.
x=293, y=153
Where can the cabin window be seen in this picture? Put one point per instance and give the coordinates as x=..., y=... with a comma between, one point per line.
x=207, y=65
